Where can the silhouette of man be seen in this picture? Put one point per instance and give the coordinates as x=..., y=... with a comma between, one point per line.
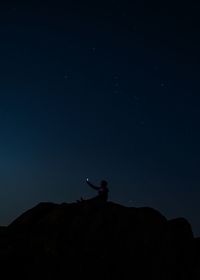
x=102, y=191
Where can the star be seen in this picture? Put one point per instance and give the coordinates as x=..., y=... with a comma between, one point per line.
x=66, y=76
x=93, y=49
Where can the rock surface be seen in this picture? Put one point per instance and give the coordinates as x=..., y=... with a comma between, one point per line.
x=102, y=241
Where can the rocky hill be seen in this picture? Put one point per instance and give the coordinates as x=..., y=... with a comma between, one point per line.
x=98, y=241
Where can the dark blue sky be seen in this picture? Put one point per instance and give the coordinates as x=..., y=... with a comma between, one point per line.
x=105, y=91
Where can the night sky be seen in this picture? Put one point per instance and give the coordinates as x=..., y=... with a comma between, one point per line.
x=100, y=90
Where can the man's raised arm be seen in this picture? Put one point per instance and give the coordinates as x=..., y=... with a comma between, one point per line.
x=92, y=186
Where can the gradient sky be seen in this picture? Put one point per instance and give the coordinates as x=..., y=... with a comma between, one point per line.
x=105, y=91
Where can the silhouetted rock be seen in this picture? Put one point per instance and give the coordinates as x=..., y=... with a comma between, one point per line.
x=98, y=241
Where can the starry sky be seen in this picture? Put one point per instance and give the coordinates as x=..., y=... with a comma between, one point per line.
x=105, y=90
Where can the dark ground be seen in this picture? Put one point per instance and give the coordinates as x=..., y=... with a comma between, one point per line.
x=105, y=241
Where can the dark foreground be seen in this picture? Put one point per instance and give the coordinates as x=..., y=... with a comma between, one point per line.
x=105, y=241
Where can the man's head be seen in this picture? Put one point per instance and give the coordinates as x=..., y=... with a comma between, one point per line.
x=104, y=183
